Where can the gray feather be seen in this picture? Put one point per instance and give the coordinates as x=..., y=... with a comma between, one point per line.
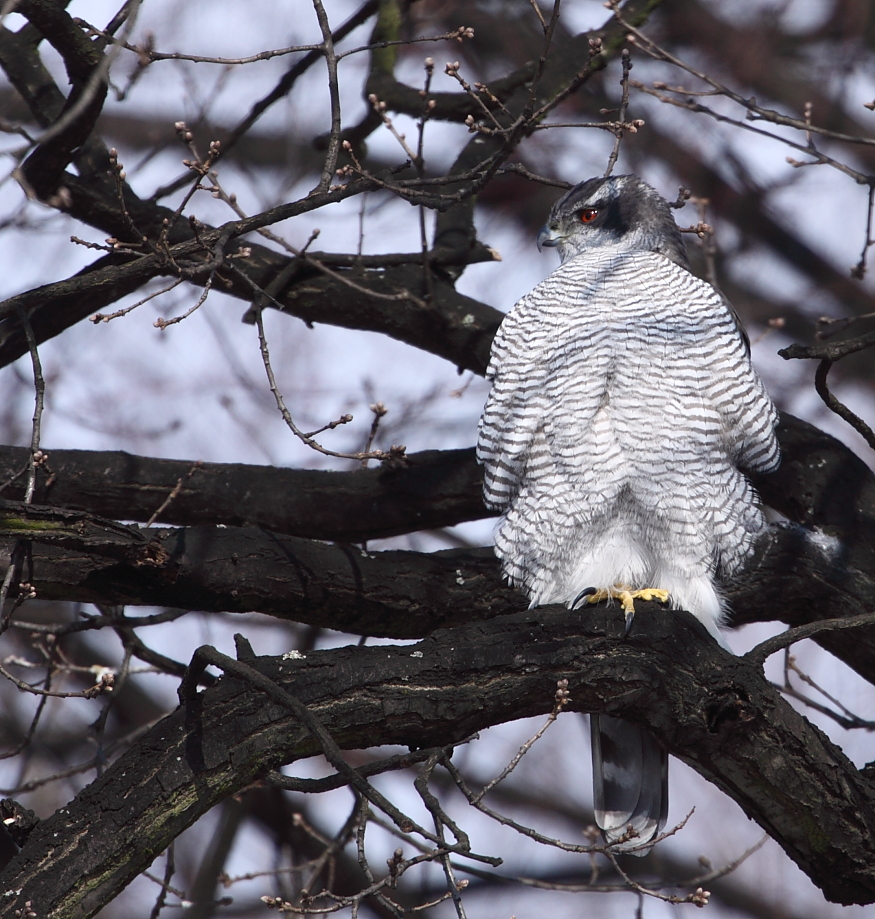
x=630, y=782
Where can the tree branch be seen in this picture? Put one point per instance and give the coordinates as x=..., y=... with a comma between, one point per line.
x=793, y=578
x=714, y=711
x=820, y=483
x=434, y=489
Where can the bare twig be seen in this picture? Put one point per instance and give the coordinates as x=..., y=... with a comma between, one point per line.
x=626, y=60
x=164, y=885
x=819, y=157
x=827, y=353
x=834, y=405
x=394, y=454
x=827, y=326
x=35, y=459
x=846, y=718
x=850, y=722
x=756, y=112
x=101, y=317
x=330, y=55
x=427, y=105
x=767, y=648
x=162, y=324
x=562, y=699
x=175, y=492
x=542, y=59
x=859, y=270
x=834, y=351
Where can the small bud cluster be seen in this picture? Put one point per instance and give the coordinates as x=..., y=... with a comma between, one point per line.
x=563, y=696
x=115, y=165
x=396, y=866
x=184, y=134
x=104, y=684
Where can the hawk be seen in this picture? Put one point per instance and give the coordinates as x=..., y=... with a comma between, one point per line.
x=623, y=413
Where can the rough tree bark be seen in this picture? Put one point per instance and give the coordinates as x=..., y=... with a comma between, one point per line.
x=713, y=710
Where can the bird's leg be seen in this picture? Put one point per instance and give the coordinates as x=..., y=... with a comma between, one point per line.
x=626, y=597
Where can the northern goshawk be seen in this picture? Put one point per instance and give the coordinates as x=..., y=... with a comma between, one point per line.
x=623, y=410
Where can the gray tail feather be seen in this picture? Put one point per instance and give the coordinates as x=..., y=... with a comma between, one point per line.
x=630, y=781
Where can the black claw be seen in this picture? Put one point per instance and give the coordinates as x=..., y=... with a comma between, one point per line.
x=629, y=617
x=587, y=592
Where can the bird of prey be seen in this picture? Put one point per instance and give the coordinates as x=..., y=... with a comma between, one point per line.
x=623, y=413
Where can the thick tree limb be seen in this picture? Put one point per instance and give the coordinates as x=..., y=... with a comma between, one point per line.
x=43, y=169
x=453, y=326
x=436, y=488
x=714, y=711
x=53, y=308
x=226, y=569
x=391, y=594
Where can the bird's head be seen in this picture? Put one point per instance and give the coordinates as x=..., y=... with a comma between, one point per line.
x=617, y=212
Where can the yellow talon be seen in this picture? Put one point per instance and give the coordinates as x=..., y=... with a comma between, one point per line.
x=627, y=601
x=651, y=593
x=626, y=597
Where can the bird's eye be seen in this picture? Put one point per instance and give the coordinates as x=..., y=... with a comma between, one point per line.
x=588, y=214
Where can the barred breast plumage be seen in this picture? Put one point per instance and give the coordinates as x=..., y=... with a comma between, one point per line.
x=623, y=410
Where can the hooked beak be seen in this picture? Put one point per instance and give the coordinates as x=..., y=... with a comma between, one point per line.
x=548, y=237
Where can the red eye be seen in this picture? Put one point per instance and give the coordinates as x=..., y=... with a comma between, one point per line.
x=588, y=214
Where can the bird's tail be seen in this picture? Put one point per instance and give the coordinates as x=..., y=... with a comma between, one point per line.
x=630, y=781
